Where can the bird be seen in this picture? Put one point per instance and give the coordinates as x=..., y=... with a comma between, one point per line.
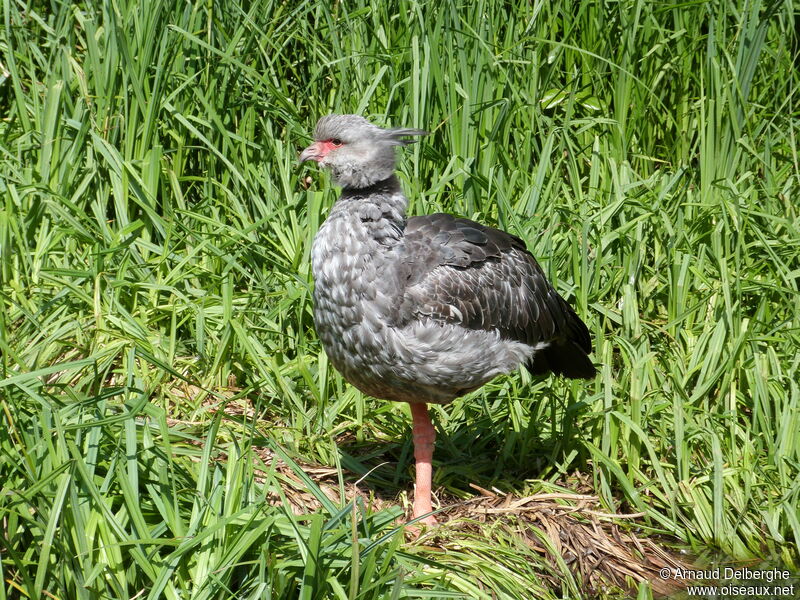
x=424, y=309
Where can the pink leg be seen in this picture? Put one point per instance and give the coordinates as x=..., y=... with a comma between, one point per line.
x=424, y=435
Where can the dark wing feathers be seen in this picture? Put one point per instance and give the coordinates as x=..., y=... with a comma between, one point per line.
x=459, y=271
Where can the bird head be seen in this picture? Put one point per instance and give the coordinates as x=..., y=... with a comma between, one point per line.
x=358, y=153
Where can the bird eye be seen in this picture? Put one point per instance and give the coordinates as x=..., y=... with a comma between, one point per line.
x=336, y=142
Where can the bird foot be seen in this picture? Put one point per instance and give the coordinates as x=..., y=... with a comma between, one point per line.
x=428, y=520
x=416, y=529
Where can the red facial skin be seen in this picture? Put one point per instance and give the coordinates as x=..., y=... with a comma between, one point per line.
x=319, y=150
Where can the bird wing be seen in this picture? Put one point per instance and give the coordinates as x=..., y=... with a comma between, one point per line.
x=458, y=271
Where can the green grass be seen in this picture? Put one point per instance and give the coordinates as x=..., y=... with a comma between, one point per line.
x=154, y=257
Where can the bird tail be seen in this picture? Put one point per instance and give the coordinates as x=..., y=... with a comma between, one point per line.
x=562, y=358
x=567, y=355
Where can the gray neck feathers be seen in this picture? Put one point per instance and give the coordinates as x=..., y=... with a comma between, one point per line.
x=365, y=173
x=381, y=207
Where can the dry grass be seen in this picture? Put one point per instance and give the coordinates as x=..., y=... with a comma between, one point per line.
x=601, y=549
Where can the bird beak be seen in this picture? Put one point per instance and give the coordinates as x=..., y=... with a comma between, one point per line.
x=313, y=152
